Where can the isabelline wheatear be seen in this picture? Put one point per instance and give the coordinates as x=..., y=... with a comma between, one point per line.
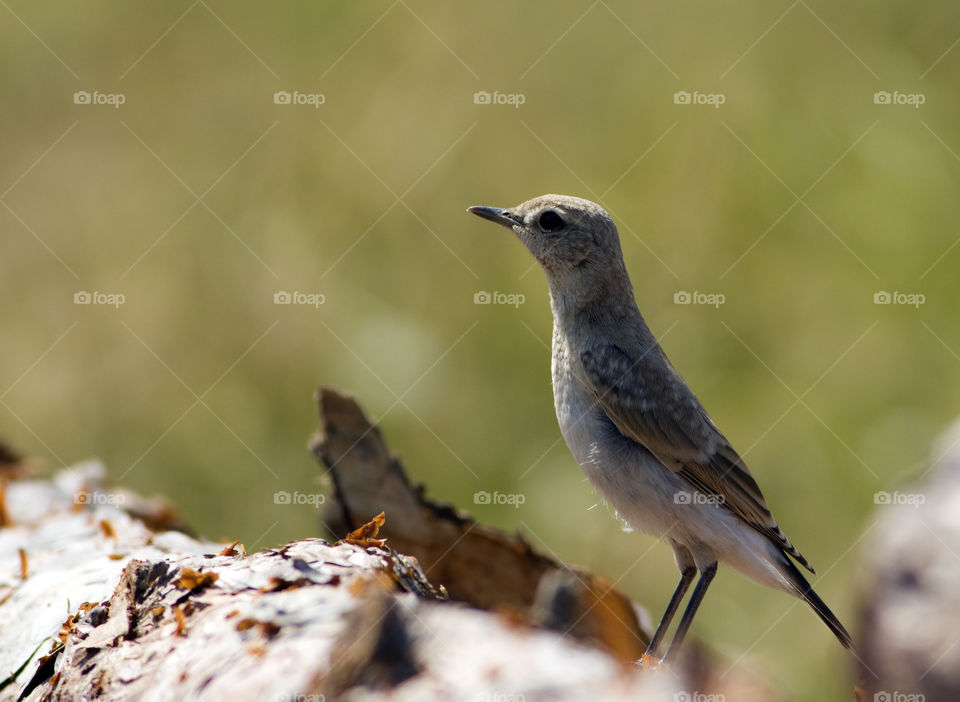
x=641, y=436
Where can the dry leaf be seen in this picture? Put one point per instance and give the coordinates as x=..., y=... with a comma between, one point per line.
x=268, y=629
x=279, y=584
x=4, y=515
x=181, y=621
x=107, y=529
x=365, y=535
x=193, y=580
x=230, y=550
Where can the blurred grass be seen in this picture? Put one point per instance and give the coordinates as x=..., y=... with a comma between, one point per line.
x=199, y=387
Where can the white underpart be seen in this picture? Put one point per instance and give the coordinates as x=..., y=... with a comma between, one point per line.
x=644, y=493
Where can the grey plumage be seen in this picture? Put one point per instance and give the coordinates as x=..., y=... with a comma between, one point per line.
x=640, y=434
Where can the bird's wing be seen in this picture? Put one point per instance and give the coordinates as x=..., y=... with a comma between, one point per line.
x=649, y=402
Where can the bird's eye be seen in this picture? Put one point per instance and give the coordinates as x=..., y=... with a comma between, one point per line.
x=550, y=221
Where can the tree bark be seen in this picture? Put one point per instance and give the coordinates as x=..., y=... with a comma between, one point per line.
x=102, y=597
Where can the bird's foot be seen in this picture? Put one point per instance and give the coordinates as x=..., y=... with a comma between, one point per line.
x=651, y=662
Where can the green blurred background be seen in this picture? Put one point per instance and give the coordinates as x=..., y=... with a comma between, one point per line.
x=199, y=198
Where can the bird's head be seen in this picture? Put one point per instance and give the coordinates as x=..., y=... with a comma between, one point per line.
x=574, y=240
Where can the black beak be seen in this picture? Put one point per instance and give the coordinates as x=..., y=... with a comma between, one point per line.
x=495, y=214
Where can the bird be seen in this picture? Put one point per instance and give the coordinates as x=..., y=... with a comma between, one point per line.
x=639, y=433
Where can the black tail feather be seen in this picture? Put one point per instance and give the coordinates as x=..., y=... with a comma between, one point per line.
x=806, y=593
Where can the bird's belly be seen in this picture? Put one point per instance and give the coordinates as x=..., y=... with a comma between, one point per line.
x=649, y=497
x=581, y=423
x=578, y=422
x=626, y=475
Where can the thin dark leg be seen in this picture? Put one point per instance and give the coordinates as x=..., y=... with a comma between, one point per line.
x=686, y=577
x=698, y=592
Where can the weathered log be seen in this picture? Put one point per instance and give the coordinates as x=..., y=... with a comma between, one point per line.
x=121, y=612
x=100, y=598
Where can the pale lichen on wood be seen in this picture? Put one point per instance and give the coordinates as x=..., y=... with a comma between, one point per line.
x=100, y=598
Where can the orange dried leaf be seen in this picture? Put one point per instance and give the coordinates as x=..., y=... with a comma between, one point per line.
x=365, y=536
x=230, y=550
x=268, y=629
x=107, y=529
x=66, y=628
x=4, y=515
x=193, y=580
x=181, y=621
x=275, y=584
x=24, y=571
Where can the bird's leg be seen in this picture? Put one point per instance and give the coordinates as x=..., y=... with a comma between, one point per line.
x=699, y=591
x=686, y=577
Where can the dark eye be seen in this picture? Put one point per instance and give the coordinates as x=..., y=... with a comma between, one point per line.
x=550, y=221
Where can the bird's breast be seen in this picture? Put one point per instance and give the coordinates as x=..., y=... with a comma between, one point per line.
x=577, y=414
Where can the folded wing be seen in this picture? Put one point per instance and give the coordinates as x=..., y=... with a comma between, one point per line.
x=649, y=402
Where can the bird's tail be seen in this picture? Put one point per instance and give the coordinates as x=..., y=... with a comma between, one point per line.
x=806, y=593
